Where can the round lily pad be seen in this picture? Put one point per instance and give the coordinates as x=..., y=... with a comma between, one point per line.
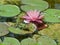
x=10, y=41
x=3, y=2
x=34, y=5
x=28, y=1
x=51, y=30
x=28, y=41
x=3, y=29
x=44, y=40
x=52, y=15
x=0, y=42
x=9, y=10
x=29, y=28
x=17, y=2
x=31, y=2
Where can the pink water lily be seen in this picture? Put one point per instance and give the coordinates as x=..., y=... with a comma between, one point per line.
x=33, y=16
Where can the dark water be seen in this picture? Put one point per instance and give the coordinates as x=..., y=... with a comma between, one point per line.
x=54, y=4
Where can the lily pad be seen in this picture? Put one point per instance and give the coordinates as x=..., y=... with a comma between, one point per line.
x=9, y=10
x=22, y=30
x=3, y=2
x=28, y=41
x=31, y=2
x=44, y=40
x=52, y=15
x=17, y=2
x=0, y=42
x=34, y=5
x=3, y=29
x=53, y=31
x=10, y=41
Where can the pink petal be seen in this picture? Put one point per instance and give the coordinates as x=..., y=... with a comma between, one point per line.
x=41, y=17
x=36, y=14
x=39, y=21
x=26, y=17
x=30, y=13
x=33, y=14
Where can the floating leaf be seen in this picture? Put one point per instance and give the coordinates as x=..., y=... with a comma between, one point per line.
x=17, y=2
x=29, y=1
x=23, y=29
x=0, y=42
x=28, y=41
x=10, y=41
x=3, y=2
x=52, y=15
x=9, y=10
x=44, y=40
x=3, y=29
x=53, y=31
x=34, y=5
x=36, y=36
x=16, y=30
x=48, y=31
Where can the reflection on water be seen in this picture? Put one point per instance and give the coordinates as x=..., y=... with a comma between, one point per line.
x=54, y=3
x=57, y=6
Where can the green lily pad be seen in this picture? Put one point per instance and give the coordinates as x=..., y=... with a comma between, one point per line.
x=53, y=31
x=52, y=15
x=3, y=29
x=31, y=2
x=10, y=41
x=0, y=42
x=23, y=29
x=44, y=40
x=3, y=2
x=34, y=5
x=28, y=41
x=15, y=30
x=17, y=2
x=9, y=10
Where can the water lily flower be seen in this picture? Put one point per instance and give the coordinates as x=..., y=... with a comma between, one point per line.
x=35, y=17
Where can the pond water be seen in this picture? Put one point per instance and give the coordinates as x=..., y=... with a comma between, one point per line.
x=54, y=4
